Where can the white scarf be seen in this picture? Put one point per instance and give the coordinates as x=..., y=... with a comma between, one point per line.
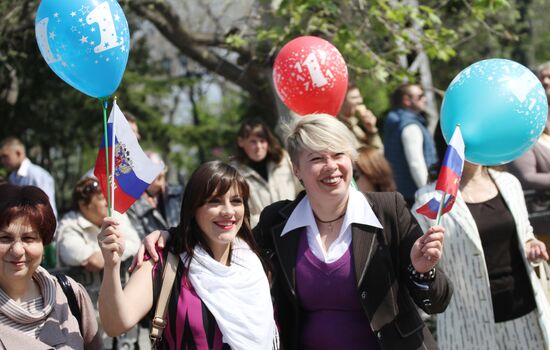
x=237, y=296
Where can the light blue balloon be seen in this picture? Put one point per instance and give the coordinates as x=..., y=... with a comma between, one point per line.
x=85, y=42
x=501, y=107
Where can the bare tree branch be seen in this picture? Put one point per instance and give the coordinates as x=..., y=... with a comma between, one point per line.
x=169, y=24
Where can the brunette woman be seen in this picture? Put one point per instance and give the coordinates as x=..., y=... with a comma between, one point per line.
x=220, y=299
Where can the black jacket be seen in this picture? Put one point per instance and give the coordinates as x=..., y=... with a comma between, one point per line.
x=380, y=258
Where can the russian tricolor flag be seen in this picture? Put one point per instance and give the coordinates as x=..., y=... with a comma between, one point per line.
x=129, y=167
x=449, y=177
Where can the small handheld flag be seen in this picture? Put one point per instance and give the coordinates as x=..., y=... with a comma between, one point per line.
x=448, y=179
x=131, y=171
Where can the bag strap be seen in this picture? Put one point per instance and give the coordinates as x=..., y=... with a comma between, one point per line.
x=158, y=323
x=71, y=297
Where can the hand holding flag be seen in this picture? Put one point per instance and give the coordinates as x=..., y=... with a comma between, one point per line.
x=448, y=179
x=131, y=171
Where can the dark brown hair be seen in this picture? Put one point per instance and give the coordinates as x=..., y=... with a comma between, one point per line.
x=256, y=127
x=210, y=179
x=374, y=166
x=401, y=91
x=31, y=203
x=84, y=191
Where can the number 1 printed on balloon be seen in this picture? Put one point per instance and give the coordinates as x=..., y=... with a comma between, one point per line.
x=314, y=69
x=42, y=38
x=103, y=17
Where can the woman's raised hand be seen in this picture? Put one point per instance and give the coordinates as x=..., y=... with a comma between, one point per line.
x=428, y=249
x=155, y=239
x=111, y=241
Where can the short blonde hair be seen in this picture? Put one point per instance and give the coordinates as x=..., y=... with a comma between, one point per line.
x=320, y=132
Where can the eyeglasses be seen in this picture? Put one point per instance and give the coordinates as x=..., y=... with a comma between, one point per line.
x=92, y=187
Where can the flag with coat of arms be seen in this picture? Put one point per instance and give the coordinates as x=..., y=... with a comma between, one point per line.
x=131, y=171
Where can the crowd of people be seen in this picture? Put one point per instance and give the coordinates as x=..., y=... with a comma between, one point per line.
x=315, y=245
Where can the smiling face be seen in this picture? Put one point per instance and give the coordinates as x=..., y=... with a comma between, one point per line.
x=325, y=175
x=254, y=146
x=21, y=251
x=221, y=218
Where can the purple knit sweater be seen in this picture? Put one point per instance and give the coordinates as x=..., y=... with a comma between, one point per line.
x=333, y=317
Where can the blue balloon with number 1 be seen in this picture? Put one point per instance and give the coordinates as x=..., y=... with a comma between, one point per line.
x=85, y=42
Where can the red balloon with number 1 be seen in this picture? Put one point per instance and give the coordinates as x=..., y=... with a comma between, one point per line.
x=311, y=76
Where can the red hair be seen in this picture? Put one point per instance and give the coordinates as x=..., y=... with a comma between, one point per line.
x=31, y=203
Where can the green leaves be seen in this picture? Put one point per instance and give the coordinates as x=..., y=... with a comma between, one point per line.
x=235, y=41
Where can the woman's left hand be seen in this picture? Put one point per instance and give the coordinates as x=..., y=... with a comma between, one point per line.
x=535, y=250
x=428, y=249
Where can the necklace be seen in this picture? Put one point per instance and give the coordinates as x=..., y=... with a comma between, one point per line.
x=329, y=222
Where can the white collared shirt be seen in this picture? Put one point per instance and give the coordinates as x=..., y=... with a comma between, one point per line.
x=24, y=168
x=358, y=211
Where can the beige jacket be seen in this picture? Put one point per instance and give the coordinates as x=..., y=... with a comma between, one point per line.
x=282, y=185
x=468, y=322
x=60, y=331
x=77, y=238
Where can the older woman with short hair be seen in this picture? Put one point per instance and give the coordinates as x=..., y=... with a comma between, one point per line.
x=349, y=267
x=78, y=230
x=34, y=311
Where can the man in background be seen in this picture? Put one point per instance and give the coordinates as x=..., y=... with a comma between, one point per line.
x=408, y=145
x=22, y=171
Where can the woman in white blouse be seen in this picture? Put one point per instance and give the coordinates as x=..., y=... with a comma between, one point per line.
x=498, y=302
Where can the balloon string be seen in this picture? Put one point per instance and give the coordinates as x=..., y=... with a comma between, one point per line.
x=106, y=139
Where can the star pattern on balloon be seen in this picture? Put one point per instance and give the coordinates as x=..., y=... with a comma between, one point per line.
x=501, y=107
x=84, y=10
x=73, y=35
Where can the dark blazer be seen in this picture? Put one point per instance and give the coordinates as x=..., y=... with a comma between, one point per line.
x=380, y=258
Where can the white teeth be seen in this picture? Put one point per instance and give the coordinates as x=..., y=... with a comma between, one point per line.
x=331, y=180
